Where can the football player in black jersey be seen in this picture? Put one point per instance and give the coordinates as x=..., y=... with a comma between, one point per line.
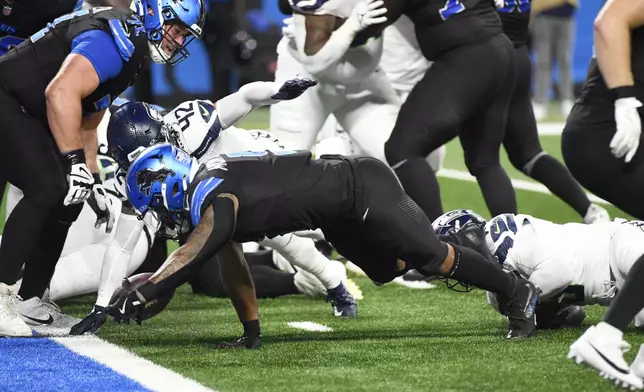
x=600, y=145
x=54, y=89
x=465, y=93
x=357, y=202
x=521, y=139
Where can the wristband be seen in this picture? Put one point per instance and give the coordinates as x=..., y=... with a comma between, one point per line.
x=75, y=157
x=97, y=178
x=623, y=92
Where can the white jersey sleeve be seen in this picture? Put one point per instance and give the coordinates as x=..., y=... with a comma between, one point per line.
x=235, y=139
x=194, y=126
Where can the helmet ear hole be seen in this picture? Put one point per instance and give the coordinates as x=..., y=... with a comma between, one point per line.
x=175, y=189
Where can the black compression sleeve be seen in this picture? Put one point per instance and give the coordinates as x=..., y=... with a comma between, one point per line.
x=223, y=229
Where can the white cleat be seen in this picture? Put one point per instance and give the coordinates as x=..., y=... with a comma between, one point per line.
x=602, y=347
x=45, y=317
x=10, y=322
x=596, y=214
x=637, y=367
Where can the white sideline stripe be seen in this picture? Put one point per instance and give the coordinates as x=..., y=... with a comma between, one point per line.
x=309, y=326
x=518, y=184
x=148, y=374
x=550, y=128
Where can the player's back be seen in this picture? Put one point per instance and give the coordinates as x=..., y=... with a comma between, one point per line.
x=278, y=192
x=442, y=25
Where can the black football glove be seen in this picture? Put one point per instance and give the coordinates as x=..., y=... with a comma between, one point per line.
x=129, y=306
x=91, y=323
x=293, y=88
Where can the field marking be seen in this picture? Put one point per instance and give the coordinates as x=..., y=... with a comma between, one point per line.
x=518, y=184
x=147, y=373
x=309, y=326
x=550, y=128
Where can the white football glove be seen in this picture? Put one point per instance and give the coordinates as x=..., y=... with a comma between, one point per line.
x=102, y=205
x=629, y=128
x=367, y=13
x=79, y=178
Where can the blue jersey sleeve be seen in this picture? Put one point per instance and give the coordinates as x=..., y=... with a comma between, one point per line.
x=100, y=49
x=200, y=197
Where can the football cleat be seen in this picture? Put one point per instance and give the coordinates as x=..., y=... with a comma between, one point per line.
x=45, y=317
x=602, y=347
x=10, y=322
x=553, y=315
x=596, y=214
x=242, y=342
x=342, y=303
x=413, y=279
x=520, y=309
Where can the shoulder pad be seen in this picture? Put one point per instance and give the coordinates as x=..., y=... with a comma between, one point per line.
x=203, y=189
x=121, y=32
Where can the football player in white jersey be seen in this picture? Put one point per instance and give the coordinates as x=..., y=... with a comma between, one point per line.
x=203, y=131
x=326, y=40
x=571, y=264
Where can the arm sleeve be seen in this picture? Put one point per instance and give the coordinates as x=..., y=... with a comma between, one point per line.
x=117, y=258
x=100, y=49
x=223, y=229
x=234, y=107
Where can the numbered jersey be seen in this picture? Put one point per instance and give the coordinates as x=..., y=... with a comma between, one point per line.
x=442, y=25
x=515, y=16
x=278, y=193
x=20, y=19
x=572, y=258
x=199, y=132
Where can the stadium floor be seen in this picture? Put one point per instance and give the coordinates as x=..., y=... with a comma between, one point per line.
x=403, y=340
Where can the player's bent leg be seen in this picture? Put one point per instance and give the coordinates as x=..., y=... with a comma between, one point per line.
x=302, y=253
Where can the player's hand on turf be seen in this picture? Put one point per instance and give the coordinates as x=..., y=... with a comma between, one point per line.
x=129, y=306
x=102, y=205
x=79, y=178
x=367, y=13
x=91, y=323
x=626, y=140
x=293, y=88
x=243, y=342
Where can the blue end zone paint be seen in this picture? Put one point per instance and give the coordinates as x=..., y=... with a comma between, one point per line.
x=39, y=364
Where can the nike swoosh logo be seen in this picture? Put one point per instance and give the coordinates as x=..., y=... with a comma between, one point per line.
x=46, y=322
x=122, y=310
x=497, y=229
x=623, y=371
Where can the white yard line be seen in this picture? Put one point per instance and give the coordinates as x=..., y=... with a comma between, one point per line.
x=518, y=184
x=309, y=326
x=550, y=128
x=146, y=373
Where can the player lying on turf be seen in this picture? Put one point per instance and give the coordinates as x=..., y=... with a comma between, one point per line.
x=572, y=264
x=356, y=202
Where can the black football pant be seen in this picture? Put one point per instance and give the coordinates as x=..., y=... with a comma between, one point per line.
x=465, y=93
x=522, y=144
x=35, y=232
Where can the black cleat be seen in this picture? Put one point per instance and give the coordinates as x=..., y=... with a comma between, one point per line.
x=553, y=315
x=242, y=342
x=520, y=309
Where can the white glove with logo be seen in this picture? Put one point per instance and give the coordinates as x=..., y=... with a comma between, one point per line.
x=367, y=13
x=102, y=205
x=79, y=178
x=629, y=128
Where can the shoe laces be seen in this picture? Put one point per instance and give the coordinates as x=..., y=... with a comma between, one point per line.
x=611, y=291
x=340, y=295
x=12, y=305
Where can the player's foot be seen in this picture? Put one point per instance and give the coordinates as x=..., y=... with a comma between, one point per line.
x=596, y=214
x=637, y=367
x=45, y=317
x=553, y=315
x=10, y=322
x=242, y=342
x=414, y=280
x=342, y=302
x=520, y=309
x=572, y=316
x=602, y=347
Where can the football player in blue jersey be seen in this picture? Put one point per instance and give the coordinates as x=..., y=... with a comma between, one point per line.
x=356, y=202
x=79, y=63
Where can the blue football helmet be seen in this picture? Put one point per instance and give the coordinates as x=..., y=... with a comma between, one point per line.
x=158, y=179
x=451, y=222
x=188, y=14
x=133, y=126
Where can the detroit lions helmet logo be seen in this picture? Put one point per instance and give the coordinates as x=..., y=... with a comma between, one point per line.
x=146, y=178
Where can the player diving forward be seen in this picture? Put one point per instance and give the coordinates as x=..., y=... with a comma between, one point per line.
x=201, y=130
x=356, y=202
